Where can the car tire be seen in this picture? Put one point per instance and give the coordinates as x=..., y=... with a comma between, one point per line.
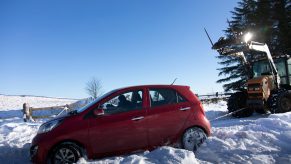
x=193, y=138
x=66, y=153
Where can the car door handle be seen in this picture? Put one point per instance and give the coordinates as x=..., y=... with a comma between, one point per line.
x=137, y=118
x=186, y=108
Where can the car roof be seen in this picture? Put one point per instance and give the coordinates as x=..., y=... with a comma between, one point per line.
x=155, y=86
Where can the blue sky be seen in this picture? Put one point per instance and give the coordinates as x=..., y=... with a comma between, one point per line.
x=52, y=48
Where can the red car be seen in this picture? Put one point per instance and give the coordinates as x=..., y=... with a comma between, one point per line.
x=122, y=121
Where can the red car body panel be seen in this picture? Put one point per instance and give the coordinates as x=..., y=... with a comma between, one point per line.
x=131, y=134
x=120, y=133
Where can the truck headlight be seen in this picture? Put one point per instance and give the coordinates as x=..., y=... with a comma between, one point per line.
x=48, y=126
x=247, y=37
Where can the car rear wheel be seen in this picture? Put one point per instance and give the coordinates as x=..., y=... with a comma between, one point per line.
x=193, y=138
x=66, y=153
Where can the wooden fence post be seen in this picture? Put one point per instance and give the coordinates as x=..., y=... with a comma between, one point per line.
x=30, y=114
x=26, y=112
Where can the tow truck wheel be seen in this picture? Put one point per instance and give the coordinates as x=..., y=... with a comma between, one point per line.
x=237, y=103
x=280, y=101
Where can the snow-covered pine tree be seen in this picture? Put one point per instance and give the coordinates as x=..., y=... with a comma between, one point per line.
x=243, y=20
x=270, y=21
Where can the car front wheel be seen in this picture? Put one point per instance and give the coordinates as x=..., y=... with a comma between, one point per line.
x=66, y=153
x=193, y=138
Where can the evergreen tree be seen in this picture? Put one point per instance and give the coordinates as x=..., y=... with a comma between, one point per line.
x=282, y=26
x=243, y=20
x=263, y=23
x=270, y=21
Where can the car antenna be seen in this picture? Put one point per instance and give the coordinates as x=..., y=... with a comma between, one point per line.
x=208, y=37
x=174, y=81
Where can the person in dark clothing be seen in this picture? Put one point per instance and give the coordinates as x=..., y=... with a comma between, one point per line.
x=123, y=103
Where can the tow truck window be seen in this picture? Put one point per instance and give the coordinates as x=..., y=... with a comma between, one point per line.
x=281, y=67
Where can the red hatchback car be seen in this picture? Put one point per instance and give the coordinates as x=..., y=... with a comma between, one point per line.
x=122, y=121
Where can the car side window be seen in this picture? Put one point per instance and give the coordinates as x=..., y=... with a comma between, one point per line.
x=161, y=97
x=180, y=98
x=124, y=102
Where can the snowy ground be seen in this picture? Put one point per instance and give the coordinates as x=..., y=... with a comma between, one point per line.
x=257, y=139
x=16, y=135
x=11, y=106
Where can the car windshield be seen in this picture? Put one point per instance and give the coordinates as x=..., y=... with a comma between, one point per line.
x=95, y=101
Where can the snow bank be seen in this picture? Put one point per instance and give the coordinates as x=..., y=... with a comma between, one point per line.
x=215, y=110
x=162, y=155
x=15, y=139
x=16, y=135
x=256, y=139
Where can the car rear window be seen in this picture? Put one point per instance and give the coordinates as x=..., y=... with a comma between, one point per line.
x=165, y=96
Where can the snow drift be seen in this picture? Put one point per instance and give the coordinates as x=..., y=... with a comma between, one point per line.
x=165, y=154
x=256, y=139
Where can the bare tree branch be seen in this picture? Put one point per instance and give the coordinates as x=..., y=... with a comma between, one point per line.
x=93, y=87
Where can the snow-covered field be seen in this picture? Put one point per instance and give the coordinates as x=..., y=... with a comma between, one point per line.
x=256, y=139
x=16, y=135
x=11, y=106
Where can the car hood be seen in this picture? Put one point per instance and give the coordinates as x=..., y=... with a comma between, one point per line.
x=59, y=117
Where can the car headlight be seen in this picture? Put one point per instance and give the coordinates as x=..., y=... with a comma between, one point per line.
x=48, y=126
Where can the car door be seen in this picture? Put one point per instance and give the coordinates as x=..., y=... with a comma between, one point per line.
x=166, y=115
x=120, y=129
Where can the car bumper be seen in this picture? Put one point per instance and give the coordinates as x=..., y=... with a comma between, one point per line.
x=36, y=154
x=38, y=150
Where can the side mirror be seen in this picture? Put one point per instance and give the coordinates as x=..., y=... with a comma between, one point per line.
x=98, y=112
